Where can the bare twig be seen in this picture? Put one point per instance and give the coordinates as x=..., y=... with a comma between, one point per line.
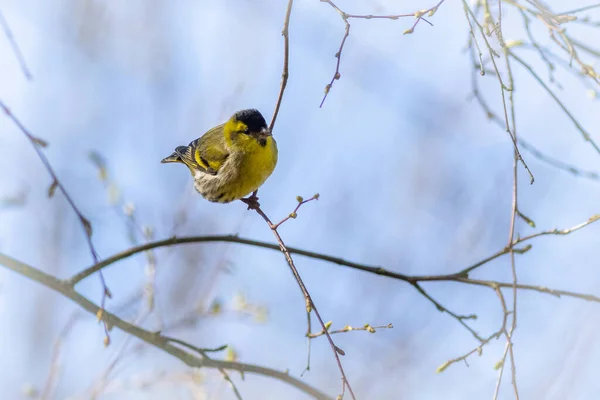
x=508, y=333
x=460, y=318
x=418, y=15
x=15, y=47
x=285, y=72
x=286, y=56
x=369, y=328
x=479, y=348
x=518, y=241
x=535, y=288
x=294, y=213
x=310, y=305
x=461, y=276
x=503, y=87
x=338, y=55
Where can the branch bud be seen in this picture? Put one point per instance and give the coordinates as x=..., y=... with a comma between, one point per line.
x=442, y=367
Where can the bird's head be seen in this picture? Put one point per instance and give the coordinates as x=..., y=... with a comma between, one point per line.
x=246, y=129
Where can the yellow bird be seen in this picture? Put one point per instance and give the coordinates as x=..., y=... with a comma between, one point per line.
x=231, y=160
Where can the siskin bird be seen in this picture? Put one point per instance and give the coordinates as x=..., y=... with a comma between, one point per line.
x=231, y=160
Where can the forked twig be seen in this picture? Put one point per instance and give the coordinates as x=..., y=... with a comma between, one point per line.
x=418, y=15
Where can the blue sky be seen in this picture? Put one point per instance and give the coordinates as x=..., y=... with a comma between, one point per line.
x=411, y=175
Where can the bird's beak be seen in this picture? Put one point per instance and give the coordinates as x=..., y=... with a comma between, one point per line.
x=265, y=132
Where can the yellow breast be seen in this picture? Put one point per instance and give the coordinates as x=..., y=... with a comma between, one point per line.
x=242, y=173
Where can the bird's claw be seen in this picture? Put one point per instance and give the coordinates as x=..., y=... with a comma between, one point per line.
x=251, y=201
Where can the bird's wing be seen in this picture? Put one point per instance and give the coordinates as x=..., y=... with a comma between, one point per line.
x=210, y=151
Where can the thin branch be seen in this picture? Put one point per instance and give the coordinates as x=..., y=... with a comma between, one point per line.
x=369, y=328
x=286, y=56
x=154, y=339
x=310, y=305
x=520, y=240
x=294, y=213
x=560, y=232
x=308, y=343
x=513, y=216
x=460, y=318
x=338, y=55
x=15, y=47
x=230, y=239
x=285, y=72
x=474, y=39
x=377, y=270
x=535, y=288
x=493, y=55
x=479, y=348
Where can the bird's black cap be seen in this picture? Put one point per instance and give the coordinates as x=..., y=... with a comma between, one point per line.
x=252, y=118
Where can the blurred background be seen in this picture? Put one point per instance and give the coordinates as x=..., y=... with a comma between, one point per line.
x=411, y=175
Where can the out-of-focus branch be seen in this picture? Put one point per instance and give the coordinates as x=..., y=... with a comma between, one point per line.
x=561, y=38
x=584, y=133
x=154, y=339
x=15, y=47
x=558, y=164
x=551, y=161
x=38, y=144
x=203, y=353
x=52, y=378
x=581, y=9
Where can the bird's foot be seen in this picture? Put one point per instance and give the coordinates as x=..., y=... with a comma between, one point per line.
x=251, y=201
